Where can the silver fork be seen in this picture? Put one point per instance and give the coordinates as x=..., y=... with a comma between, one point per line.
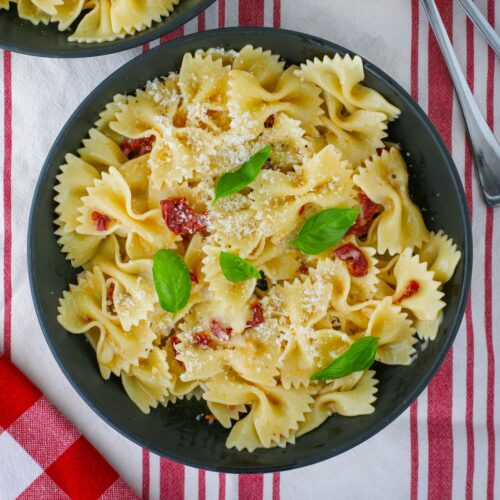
x=485, y=147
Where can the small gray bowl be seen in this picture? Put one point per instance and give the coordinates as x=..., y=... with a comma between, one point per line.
x=24, y=37
x=174, y=432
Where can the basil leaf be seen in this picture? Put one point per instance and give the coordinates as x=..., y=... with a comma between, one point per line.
x=360, y=356
x=172, y=280
x=324, y=229
x=233, y=182
x=235, y=268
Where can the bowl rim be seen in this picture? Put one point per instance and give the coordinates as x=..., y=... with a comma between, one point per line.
x=82, y=50
x=467, y=255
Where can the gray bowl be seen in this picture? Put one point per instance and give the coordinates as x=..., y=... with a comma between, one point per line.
x=22, y=36
x=173, y=432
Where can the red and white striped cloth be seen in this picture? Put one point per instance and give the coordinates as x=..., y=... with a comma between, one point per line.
x=444, y=446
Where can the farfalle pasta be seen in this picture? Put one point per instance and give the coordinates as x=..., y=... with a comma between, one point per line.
x=250, y=340
x=101, y=21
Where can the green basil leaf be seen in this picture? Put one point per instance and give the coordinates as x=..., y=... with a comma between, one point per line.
x=172, y=280
x=360, y=356
x=234, y=182
x=324, y=229
x=236, y=269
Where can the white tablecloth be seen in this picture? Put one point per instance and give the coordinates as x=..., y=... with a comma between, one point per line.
x=445, y=445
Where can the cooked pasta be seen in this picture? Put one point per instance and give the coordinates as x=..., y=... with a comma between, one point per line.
x=145, y=182
x=95, y=20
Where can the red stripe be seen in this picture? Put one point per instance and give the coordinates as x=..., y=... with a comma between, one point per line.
x=469, y=398
x=201, y=22
x=222, y=486
x=490, y=385
x=7, y=203
x=202, y=487
x=440, y=391
x=276, y=486
x=145, y=47
x=222, y=13
x=251, y=13
x=277, y=13
x=145, y=474
x=172, y=35
x=171, y=480
x=250, y=487
x=415, y=13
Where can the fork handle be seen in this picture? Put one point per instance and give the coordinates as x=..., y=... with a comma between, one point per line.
x=485, y=147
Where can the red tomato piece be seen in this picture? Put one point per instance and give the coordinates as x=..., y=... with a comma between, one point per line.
x=180, y=218
x=100, y=221
x=412, y=288
x=194, y=278
x=219, y=331
x=202, y=339
x=355, y=259
x=133, y=148
x=369, y=209
x=258, y=315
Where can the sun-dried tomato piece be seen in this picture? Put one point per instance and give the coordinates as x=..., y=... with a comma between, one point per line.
x=219, y=331
x=412, y=288
x=257, y=315
x=109, y=292
x=369, y=209
x=302, y=209
x=174, y=340
x=269, y=121
x=193, y=277
x=180, y=218
x=133, y=148
x=100, y=221
x=202, y=339
x=355, y=259
x=210, y=417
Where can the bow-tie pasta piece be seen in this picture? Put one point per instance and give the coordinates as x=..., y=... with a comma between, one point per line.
x=416, y=288
x=29, y=10
x=275, y=412
x=97, y=25
x=75, y=177
x=101, y=151
x=82, y=309
x=133, y=295
x=108, y=115
x=358, y=135
x=67, y=12
x=348, y=396
x=107, y=209
x=230, y=301
x=225, y=413
x=428, y=329
x=148, y=383
x=384, y=179
x=255, y=353
x=341, y=77
x=148, y=112
x=441, y=255
x=263, y=64
x=251, y=104
x=395, y=334
x=136, y=173
x=203, y=85
x=136, y=15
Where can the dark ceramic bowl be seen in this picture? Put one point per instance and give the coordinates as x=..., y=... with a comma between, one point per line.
x=22, y=36
x=173, y=431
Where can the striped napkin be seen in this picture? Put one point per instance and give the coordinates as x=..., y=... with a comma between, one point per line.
x=445, y=445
